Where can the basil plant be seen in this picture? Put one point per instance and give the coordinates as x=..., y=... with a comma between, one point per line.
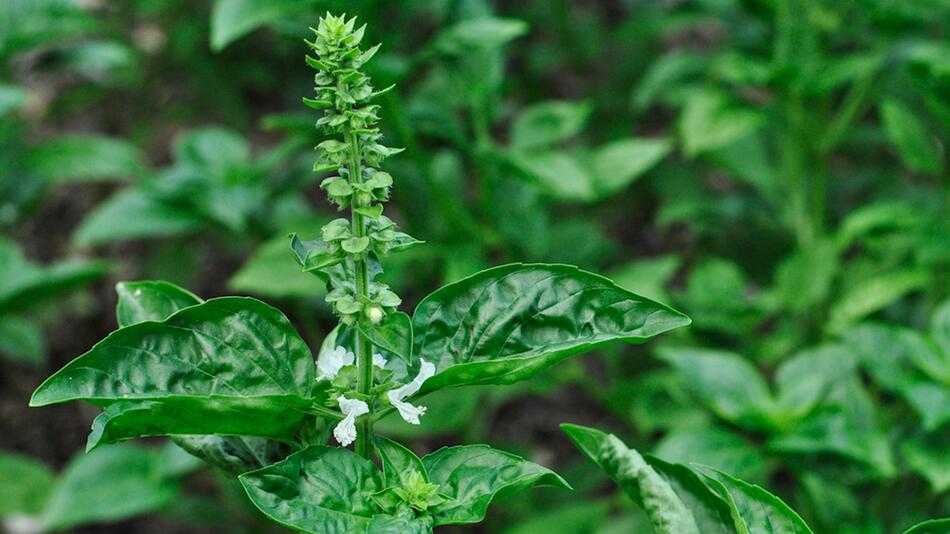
x=234, y=384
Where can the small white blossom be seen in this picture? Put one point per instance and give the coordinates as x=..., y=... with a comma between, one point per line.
x=378, y=360
x=396, y=396
x=345, y=430
x=330, y=363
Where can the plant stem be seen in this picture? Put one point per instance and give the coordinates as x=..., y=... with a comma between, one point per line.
x=364, y=350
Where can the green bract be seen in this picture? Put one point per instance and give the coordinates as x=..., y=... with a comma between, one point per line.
x=234, y=384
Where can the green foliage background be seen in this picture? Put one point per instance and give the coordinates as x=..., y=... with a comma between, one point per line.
x=775, y=169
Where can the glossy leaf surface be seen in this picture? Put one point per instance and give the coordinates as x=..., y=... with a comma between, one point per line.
x=680, y=498
x=510, y=322
x=674, y=498
x=230, y=365
x=472, y=475
x=393, y=334
x=150, y=301
x=324, y=490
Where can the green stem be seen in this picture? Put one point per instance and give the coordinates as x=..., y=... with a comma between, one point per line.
x=364, y=350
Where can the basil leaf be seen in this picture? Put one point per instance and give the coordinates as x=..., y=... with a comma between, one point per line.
x=150, y=301
x=232, y=364
x=726, y=383
x=715, y=447
x=845, y=426
x=234, y=454
x=134, y=214
x=929, y=456
x=940, y=331
x=617, y=164
x=84, y=157
x=25, y=485
x=508, y=323
x=24, y=284
x=393, y=334
x=324, y=490
x=758, y=510
x=806, y=379
x=934, y=526
x=673, y=496
x=918, y=148
x=398, y=462
x=21, y=339
x=548, y=123
x=232, y=19
x=180, y=417
x=470, y=476
x=269, y=273
x=109, y=484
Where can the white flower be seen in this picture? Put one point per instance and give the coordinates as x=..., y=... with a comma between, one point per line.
x=396, y=396
x=345, y=430
x=378, y=360
x=330, y=363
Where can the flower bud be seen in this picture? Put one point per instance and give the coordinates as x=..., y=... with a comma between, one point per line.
x=374, y=314
x=363, y=198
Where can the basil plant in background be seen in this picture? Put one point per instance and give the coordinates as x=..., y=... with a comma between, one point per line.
x=694, y=499
x=234, y=384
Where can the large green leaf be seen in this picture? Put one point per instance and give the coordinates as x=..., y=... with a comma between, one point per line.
x=758, y=510
x=940, y=333
x=891, y=355
x=560, y=174
x=478, y=34
x=929, y=456
x=711, y=120
x=547, y=123
x=155, y=301
x=234, y=454
x=726, y=383
x=917, y=147
x=150, y=301
x=845, y=426
x=230, y=365
x=85, y=157
x=934, y=526
x=134, y=214
x=619, y=163
x=715, y=447
x=471, y=476
x=804, y=380
x=232, y=19
x=681, y=499
x=508, y=323
x=674, y=498
x=21, y=339
x=24, y=284
x=271, y=272
x=25, y=485
x=324, y=490
x=109, y=484
x=875, y=293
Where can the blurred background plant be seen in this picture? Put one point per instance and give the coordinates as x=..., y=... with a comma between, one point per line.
x=775, y=169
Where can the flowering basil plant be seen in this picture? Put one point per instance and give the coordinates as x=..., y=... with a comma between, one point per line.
x=231, y=381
